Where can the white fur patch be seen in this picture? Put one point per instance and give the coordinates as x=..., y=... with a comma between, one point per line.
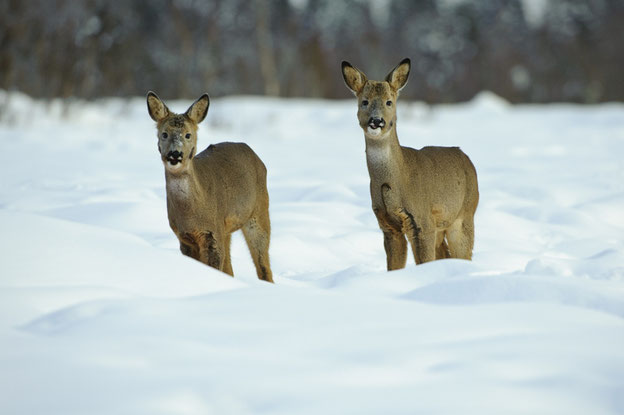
x=373, y=132
x=179, y=186
x=377, y=155
x=172, y=167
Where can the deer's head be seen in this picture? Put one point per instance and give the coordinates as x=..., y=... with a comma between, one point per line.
x=376, y=99
x=177, y=133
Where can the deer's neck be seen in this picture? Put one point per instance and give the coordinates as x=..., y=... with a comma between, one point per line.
x=181, y=186
x=384, y=158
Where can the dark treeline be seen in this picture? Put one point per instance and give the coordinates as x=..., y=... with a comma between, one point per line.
x=523, y=50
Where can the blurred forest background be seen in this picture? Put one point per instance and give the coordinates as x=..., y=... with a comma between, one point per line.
x=522, y=50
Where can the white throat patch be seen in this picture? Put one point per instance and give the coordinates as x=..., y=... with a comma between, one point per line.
x=179, y=186
x=378, y=154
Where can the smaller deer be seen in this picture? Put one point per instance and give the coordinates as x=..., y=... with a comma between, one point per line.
x=214, y=193
x=429, y=195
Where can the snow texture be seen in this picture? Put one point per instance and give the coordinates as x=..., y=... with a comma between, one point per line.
x=101, y=314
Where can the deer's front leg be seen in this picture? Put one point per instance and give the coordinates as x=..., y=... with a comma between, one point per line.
x=396, y=250
x=421, y=235
x=189, y=250
x=211, y=250
x=394, y=241
x=423, y=246
x=188, y=245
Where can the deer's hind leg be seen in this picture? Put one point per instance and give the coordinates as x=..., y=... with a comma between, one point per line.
x=442, y=249
x=257, y=232
x=227, y=260
x=461, y=238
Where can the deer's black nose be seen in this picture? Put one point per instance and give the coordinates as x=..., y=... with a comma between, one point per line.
x=174, y=157
x=376, y=122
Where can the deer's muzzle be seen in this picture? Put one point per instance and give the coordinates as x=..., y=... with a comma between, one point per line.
x=175, y=157
x=375, y=123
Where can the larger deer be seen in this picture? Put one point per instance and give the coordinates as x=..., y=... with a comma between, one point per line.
x=214, y=193
x=429, y=195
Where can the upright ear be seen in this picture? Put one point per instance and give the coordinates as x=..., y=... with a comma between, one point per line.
x=397, y=78
x=156, y=108
x=353, y=77
x=197, y=112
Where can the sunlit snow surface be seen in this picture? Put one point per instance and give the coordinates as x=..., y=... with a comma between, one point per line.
x=101, y=314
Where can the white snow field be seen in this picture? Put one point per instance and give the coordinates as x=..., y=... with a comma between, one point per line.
x=101, y=314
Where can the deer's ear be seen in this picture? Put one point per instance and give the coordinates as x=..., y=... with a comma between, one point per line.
x=353, y=77
x=397, y=78
x=197, y=112
x=156, y=108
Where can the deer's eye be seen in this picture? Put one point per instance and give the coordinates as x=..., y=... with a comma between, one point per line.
x=389, y=103
x=365, y=102
x=165, y=135
x=188, y=135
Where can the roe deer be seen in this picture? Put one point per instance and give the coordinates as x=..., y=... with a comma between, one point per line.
x=429, y=195
x=214, y=193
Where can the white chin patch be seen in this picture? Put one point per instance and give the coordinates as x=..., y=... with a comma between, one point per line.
x=373, y=132
x=173, y=167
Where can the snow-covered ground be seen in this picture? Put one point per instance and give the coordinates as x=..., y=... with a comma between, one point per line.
x=101, y=314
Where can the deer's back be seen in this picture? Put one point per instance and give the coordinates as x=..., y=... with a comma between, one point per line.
x=233, y=157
